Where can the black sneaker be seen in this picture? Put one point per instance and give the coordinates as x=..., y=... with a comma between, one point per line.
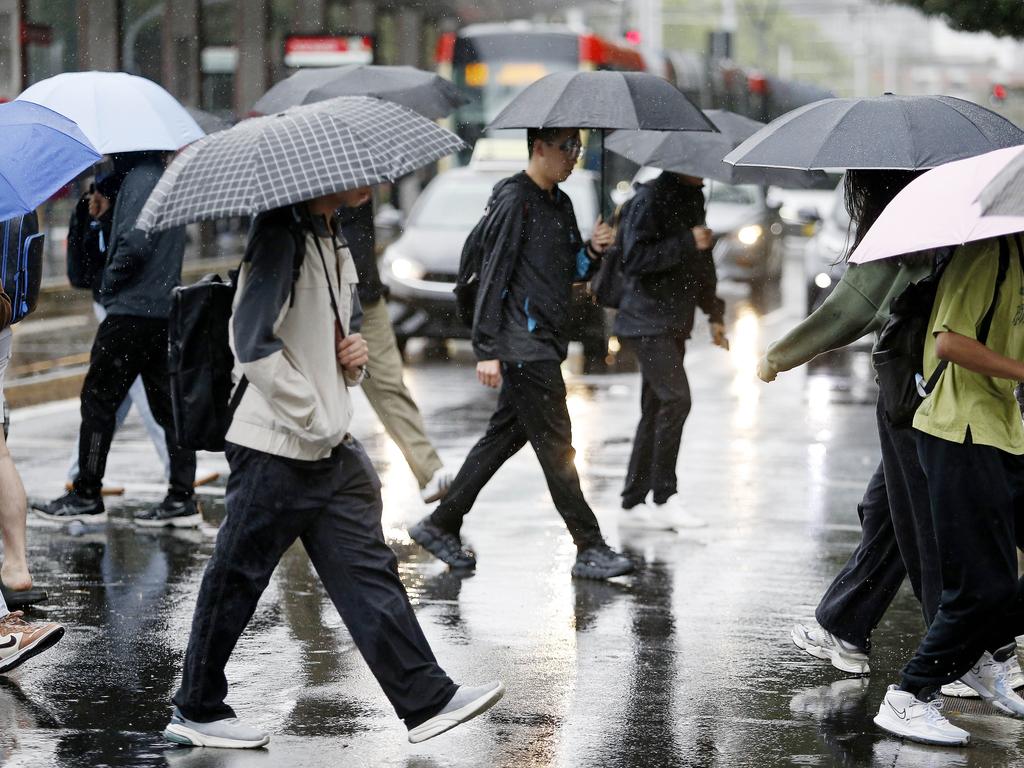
x=601, y=562
x=171, y=513
x=71, y=507
x=445, y=546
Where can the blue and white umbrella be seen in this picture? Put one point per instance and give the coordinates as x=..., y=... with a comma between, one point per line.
x=41, y=152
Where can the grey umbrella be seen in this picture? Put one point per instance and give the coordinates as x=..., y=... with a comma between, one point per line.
x=305, y=152
x=424, y=92
x=890, y=132
x=1004, y=195
x=700, y=154
x=209, y=122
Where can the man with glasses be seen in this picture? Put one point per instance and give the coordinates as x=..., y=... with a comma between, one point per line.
x=532, y=254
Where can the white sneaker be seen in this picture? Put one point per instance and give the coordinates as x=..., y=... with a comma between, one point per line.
x=903, y=714
x=465, y=705
x=1014, y=679
x=959, y=690
x=822, y=644
x=682, y=519
x=437, y=486
x=988, y=678
x=642, y=517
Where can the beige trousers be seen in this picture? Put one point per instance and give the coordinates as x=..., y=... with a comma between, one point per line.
x=389, y=398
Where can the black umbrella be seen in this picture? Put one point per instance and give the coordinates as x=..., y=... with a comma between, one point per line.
x=700, y=154
x=885, y=132
x=424, y=92
x=606, y=101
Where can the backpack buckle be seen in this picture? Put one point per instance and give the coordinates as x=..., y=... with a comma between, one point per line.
x=921, y=383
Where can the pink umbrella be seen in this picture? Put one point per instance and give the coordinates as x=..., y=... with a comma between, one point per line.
x=938, y=208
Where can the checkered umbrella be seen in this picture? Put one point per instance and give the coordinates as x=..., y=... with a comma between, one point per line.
x=303, y=153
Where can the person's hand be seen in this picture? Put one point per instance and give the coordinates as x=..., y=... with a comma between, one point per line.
x=718, y=337
x=352, y=351
x=702, y=237
x=488, y=373
x=766, y=371
x=602, y=236
x=99, y=204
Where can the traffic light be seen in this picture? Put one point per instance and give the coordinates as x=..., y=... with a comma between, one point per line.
x=998, y=93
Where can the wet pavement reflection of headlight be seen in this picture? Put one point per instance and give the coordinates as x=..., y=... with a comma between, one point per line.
x=744, y=351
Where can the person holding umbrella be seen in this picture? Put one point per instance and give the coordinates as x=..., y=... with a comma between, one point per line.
x=131, y=341
x=532, y=254
x=296, y=472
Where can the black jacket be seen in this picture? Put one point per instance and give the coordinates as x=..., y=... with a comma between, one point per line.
x=140, y=270
x=358, y=230
x=666, y=277
x=533, y=253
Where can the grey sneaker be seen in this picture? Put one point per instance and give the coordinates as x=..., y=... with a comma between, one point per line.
x=71, y=507
x=171, y=513
x=822, y=644
x=466, y=704
x=601, y=562
x=228, y=733
x=443, y=545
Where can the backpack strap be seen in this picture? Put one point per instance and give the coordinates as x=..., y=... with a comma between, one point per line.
x=986, y=321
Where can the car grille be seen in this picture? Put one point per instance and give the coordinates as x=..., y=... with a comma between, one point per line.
x=439, y=277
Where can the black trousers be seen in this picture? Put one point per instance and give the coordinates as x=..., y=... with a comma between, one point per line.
x=976, y=494
x=127, y=347
x=897, y=540
x=334, y=507
x=531, y=408
x=664, y=405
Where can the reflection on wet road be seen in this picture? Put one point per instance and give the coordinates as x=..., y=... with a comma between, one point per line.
x=688, y=663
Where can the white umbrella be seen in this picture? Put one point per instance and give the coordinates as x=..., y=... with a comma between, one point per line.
x=116, y=111
x=940, y=208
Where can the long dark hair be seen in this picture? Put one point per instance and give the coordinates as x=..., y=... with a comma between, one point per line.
x=867, y=192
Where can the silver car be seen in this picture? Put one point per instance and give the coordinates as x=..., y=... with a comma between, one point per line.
x=420, y=267
x=825, y=252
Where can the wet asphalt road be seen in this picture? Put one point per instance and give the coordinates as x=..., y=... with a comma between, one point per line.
x=687, y=663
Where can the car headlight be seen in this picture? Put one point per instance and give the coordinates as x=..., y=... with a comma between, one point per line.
x=407, y=269
x=823, y=280
x=750, y=234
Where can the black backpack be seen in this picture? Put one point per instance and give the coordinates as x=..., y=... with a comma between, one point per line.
x=21, y=264
x=467, y=282
x=200, y=360
x=899, y=352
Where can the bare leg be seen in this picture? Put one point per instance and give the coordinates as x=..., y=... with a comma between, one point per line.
x=13, y=508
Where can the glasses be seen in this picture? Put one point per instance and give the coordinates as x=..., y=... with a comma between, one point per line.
x=571, y=146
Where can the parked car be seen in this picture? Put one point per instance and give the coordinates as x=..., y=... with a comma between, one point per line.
x=801, y=209
x=420, y=267
x=824, y=262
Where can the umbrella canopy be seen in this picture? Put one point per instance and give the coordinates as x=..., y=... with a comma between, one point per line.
x=1004, y=195
x=118, y=112
x=207, y=121
x=42, y=151
x=886, y=132
x=424, y=92
x=303, y=153
x=701, y=153
x=603, y=100
x=940, y=208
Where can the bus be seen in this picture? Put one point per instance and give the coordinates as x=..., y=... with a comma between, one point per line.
x=493, y=63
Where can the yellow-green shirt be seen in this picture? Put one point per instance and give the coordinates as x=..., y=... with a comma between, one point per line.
x=963, y=399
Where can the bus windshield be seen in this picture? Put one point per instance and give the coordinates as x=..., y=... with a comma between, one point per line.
x=492, y=69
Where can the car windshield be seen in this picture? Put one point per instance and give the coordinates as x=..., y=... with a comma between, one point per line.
x=736, y=194
x=840, y=216
x=457, y=201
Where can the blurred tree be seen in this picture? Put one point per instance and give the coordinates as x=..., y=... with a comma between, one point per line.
x=1000, y=17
